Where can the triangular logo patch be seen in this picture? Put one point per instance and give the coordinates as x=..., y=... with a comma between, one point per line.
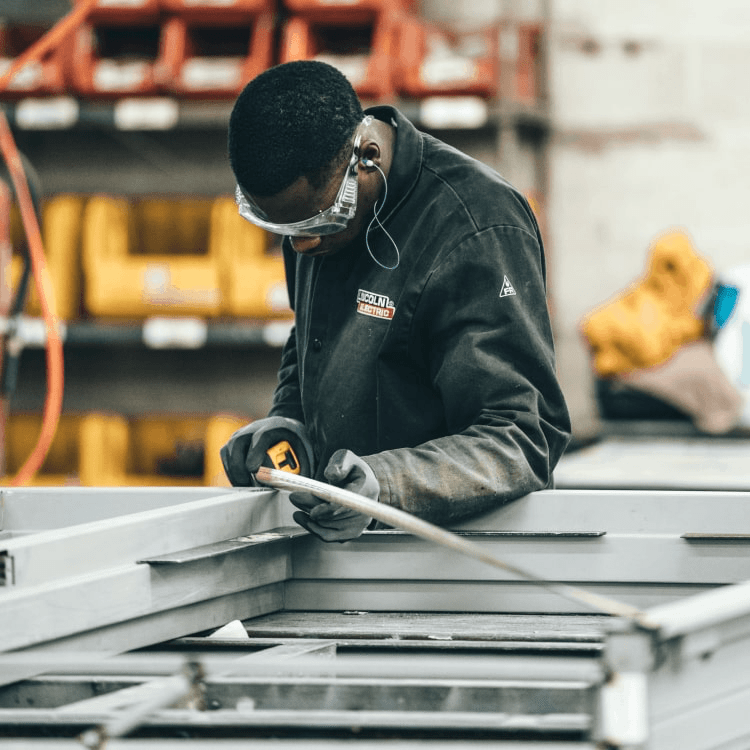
x=507, y=289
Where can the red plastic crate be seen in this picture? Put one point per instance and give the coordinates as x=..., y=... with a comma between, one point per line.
x=113, y=60
x=44, y=77
x=434, y=60
x=220, y=11
x=365, y=51
x=529, y=64
x=214, y=60
x=343, y=11
x=123, y=11
x=521, y=60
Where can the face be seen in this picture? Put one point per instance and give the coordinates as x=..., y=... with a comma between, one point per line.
x=300, y=201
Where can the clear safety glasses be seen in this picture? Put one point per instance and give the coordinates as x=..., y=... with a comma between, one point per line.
x=333, y=219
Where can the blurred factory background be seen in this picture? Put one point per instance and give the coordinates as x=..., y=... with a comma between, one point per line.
x=625, y=124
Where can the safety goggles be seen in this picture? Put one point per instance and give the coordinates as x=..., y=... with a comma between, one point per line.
x=333, y=219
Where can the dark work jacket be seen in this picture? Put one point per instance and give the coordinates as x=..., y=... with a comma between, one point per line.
x=440, y=373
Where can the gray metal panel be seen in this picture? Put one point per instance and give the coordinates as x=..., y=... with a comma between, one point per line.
x=643, y=511
x=625, y=558
x=689, y=463
x=465, y=596
x=46, y=612
x=28, y=509
x=142, y=631
x=91, y=546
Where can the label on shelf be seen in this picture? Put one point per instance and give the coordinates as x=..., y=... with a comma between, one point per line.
x=276, y=333
x=29, y=76
x=453, y=112
x=175, y=333
x=277, y=297
x=437, y=71
x=47, y=114
x=111, y=75
x=209, y=73
x=31, y=332
x=160, y=113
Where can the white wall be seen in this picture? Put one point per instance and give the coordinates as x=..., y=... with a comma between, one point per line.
x=650, y=105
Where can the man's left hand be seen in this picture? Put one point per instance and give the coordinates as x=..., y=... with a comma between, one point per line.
x=329, y=521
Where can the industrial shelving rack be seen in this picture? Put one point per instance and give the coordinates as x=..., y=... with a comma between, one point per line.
x=173, y=145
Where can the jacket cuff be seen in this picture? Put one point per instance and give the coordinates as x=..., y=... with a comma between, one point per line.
x=379, y=469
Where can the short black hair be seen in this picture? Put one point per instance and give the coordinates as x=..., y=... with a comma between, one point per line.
x=295, y=119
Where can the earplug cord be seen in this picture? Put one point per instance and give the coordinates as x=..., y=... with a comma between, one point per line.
x=376, y=217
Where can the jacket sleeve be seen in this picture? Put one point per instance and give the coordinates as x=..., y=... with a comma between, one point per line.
x=483, y=332
x=287, y=398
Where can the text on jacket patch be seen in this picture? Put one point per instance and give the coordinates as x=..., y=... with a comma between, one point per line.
x=374, y=305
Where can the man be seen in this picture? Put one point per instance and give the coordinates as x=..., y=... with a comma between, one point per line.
x=420, y=371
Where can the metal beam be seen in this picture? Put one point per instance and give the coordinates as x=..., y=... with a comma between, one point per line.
x=143, y=631
x=24, y=510
x=89, y=547
x=415, y=595
x=619, y=511
x=669, y=681
x=626, y=558
x=37, y=614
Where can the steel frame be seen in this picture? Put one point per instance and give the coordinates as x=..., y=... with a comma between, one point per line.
x=182, y=562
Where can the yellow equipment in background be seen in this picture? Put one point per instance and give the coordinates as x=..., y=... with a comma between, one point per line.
x=149, y=258
x=61, y=229
x=648, y=322
x=106, y=450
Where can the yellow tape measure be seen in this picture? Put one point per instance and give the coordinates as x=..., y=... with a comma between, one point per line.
x=283, y=458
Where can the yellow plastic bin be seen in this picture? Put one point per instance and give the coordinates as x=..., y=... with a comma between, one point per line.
x=61, y=236
x=219, y=429
x=149, y=257
x=253, y=267
x=178, y=450
x=87, y=449
x=649, y=321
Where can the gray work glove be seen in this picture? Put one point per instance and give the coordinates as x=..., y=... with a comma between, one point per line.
x=329, y=521
x=245, y=452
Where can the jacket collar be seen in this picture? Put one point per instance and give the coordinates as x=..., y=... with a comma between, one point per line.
x=406, y=163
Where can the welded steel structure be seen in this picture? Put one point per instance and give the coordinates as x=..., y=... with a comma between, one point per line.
x=108, y=596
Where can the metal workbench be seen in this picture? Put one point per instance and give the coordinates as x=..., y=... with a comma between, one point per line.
x=111, y=599
x=658, y=455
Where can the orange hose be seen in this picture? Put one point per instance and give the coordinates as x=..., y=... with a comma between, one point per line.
x=54, y=351
x=57, y=34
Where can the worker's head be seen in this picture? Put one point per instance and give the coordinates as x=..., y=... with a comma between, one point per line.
x=297, y=138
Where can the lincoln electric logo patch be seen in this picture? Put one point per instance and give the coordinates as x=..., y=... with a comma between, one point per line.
x=374, y=305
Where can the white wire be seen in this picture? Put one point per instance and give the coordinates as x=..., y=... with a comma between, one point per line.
x=375, y=218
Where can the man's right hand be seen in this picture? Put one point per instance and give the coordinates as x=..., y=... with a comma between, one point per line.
x=246, y=450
